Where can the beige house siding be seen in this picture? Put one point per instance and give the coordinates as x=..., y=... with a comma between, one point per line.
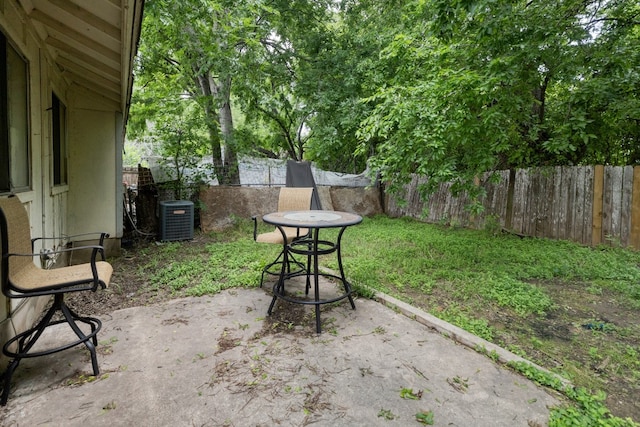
x=92, y=171
x=91, y=200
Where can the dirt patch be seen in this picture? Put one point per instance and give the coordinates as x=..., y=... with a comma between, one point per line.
x=227, y=341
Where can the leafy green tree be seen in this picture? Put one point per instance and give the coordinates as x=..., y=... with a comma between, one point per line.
x=191, y=49
x=177, y=134
x=596, y=107
x=266, y=94
x=270, y=87
x=475, y=86
x=344, y=70
x=216, y=51
x=181, y=156
x=445, y=89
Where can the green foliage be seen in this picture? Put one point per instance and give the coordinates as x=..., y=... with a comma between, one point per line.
x=215, y=53
x=586, y=409
x=182, y=144
x=425, y=417
x=408, y=393
x=502, y=269
x=386, y=414
x=448, y=90
x=225, y=265
x=478, y=327
x=523, y=298
x=479, y=86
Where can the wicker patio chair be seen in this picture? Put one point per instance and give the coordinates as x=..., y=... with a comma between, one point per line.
x=21, y=278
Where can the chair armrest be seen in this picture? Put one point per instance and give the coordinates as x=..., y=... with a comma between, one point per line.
x=102, y=235
x=99, y=234
x=95, y=249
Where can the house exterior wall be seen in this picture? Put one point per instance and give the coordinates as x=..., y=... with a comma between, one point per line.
x=93, y=171
x=16, y=315
x=89, y=200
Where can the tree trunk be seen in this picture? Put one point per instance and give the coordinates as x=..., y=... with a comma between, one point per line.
x=230, y=158
x=212, y=120
x=225, y=160
x=540, y=94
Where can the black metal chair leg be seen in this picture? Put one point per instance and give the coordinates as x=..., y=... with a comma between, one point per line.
x=88, y=320
x=268, y=266
x=26, y=340
x=7, y=381
x=308, y=267
x=302, y=268
x=347, y=286
x=278, y=288
x=89, y=343
x=29, y=338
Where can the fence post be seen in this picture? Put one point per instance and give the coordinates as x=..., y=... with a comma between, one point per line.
x=508, y=220
x=634, y=239
x=598, y=187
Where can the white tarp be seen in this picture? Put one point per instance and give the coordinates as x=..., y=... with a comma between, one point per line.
x=257, y=172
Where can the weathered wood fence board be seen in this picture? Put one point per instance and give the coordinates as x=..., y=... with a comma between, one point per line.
x=598, y=203
x=626, y=205
x=586, y=204
x=635, y=209
x=130, y=176
x=497, y=200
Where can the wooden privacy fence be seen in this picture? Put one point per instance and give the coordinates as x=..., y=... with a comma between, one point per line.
x=130, y=176
x=587, y=204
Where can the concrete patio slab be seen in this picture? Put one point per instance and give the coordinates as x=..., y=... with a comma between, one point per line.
x=219, y=361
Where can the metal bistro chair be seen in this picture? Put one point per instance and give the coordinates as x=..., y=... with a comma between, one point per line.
x=21, y=278
x=290, y=199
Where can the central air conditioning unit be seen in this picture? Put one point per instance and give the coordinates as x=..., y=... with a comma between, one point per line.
x=176, y=220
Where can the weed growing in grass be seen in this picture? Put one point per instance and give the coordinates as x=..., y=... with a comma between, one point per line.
x=478, y=327
x=523, y=298
x=170, y=248
x=222, y=265
x=586, y=409
x=177, y=275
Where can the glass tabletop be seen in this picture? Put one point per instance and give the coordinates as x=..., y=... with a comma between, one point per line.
x=312, y=219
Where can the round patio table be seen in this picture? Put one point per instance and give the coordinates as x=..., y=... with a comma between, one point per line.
x=312, y=246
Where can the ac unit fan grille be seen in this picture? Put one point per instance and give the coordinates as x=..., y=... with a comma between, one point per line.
x=176, y=220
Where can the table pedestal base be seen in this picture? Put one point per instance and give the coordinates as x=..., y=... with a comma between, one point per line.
x=312, y=248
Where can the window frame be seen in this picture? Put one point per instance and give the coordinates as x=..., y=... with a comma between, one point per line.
x=59, y=142
x=8, y=144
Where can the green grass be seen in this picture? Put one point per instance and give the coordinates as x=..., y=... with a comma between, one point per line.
x=464, y=277
x=501, y=268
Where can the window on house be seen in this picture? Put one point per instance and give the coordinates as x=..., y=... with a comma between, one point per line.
x=14, y=123
x=59, y=129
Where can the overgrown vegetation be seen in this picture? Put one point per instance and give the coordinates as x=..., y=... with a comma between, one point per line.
x=568, y=308
x=444, y=89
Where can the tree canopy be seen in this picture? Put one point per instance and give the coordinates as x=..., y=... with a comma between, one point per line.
x=446, y=89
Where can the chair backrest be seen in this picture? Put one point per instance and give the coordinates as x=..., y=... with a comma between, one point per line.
x=294, y=199
x=15, y=238
x=299, y=174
